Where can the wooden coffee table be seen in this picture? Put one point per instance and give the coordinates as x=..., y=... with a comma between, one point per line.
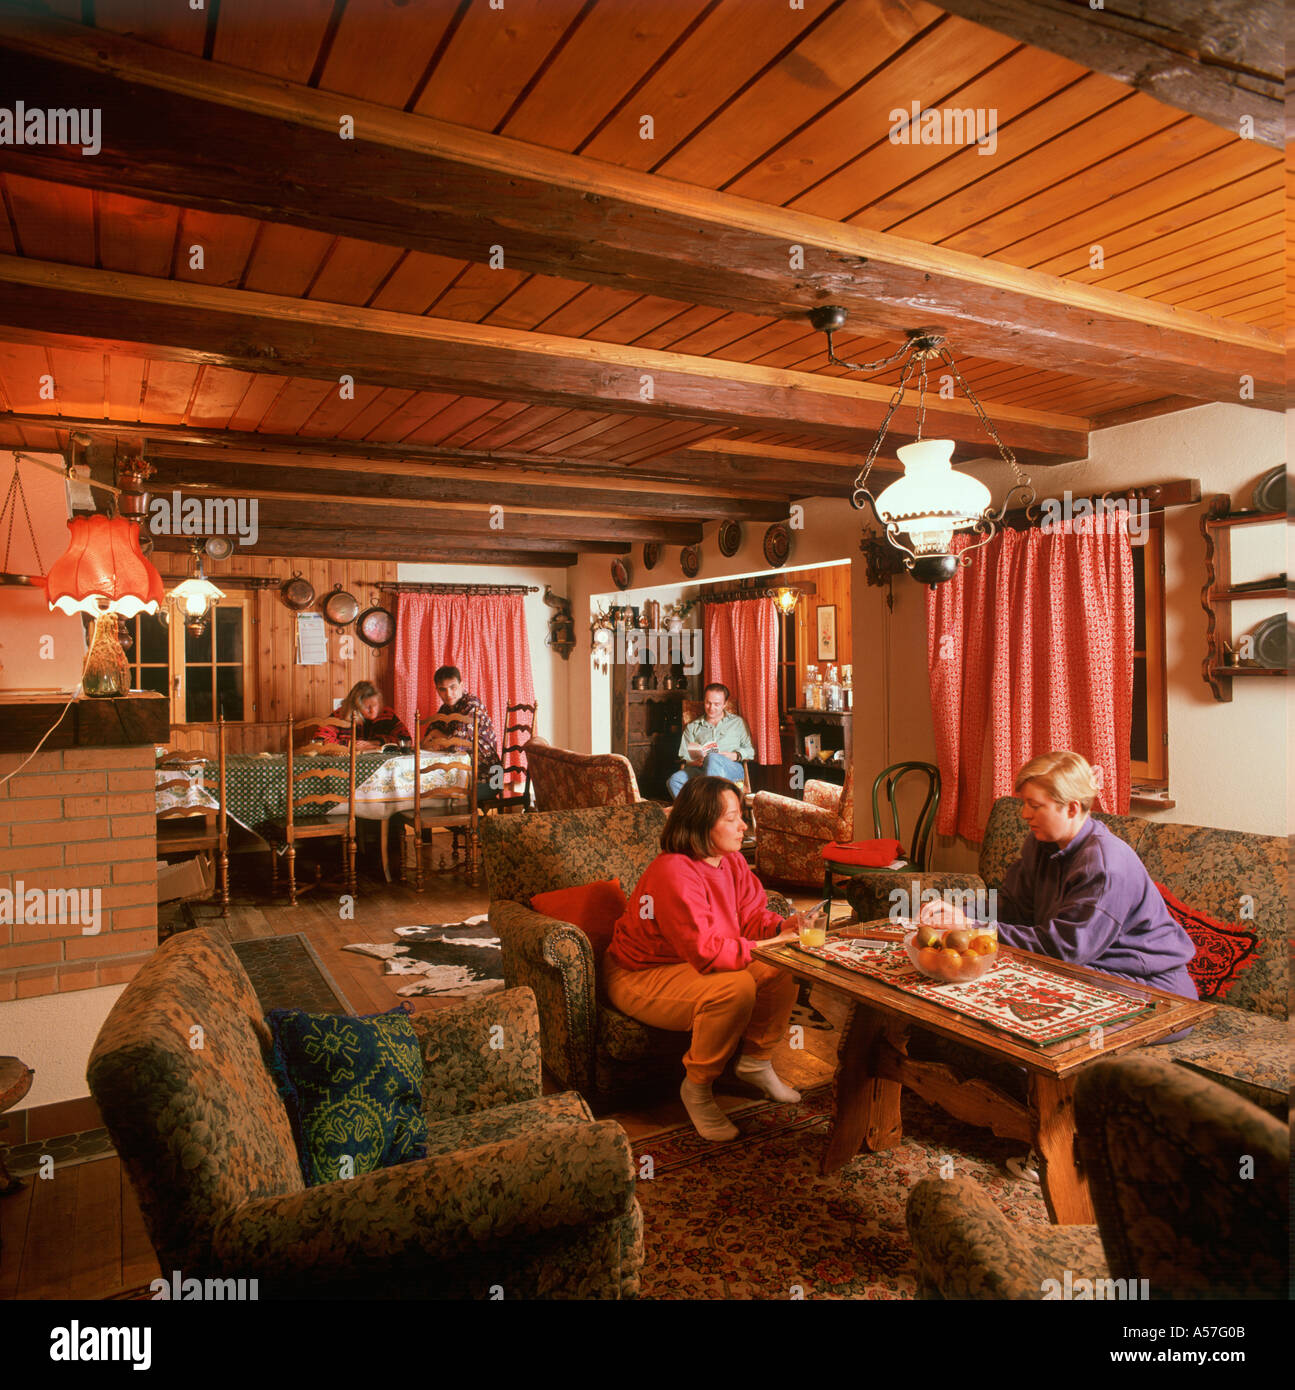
x=874, y=1065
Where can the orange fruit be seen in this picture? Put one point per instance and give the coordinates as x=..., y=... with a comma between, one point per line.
x=950, y=964
x=929, y=959
x=984, y=945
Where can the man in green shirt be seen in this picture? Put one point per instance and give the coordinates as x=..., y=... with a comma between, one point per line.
x=714, y=746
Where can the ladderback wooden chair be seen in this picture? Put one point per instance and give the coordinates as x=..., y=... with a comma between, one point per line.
x=452, y=806
x=184, y=831
x=309, y=799
x=519, y=729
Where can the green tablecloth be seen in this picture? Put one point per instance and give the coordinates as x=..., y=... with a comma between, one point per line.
x=256, y=789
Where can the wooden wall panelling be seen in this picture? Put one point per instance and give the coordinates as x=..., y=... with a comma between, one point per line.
x=833, y=585
x=278, y=687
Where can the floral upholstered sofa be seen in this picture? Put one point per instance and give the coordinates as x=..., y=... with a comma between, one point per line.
x=588, y=1045
x=1230, y=875
x=790, y=834
x=567, y=781
x=519, y=1190
x=1162, y=1149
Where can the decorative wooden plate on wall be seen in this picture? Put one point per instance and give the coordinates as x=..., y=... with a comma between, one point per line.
x=690, y=560
x=651, y=554
x=730, y=538
x=777, y=544
x=621, y=573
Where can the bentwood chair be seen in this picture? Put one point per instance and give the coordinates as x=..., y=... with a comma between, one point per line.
x=206, y=832
x=887, y=784
x=315, y=786
x=450, y=806
x=519, y=729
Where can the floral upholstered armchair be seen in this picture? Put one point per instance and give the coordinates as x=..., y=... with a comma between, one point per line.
x=517, y=1189
x=1162, y=1149
x=567, y=781
x=790, y=834
x=589, y=1045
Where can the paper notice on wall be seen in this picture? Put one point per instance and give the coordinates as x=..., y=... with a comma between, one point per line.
x=312, y=640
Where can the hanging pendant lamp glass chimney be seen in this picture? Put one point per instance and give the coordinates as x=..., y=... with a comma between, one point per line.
x=932, y=501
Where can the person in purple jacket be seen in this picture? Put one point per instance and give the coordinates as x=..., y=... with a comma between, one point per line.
x=1079, y=893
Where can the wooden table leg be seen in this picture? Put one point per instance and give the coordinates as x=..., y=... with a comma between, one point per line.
x=385, y=825
x=867, y=1106
x=1065, y=1188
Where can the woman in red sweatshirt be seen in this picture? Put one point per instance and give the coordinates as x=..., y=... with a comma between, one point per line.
x=680, y=957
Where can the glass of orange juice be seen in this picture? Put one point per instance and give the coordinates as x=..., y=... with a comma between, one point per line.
x=813, y=925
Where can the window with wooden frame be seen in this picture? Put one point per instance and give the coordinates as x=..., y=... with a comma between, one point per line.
x=788, y=694
x=211, y=673
x=1149, y=738
x=148, y=652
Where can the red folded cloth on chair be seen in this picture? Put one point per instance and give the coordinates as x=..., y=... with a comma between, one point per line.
x=872, y=854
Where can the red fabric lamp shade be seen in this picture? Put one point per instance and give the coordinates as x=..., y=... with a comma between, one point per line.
x=103, y=565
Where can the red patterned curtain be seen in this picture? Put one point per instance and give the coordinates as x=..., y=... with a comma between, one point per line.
x=1029, y=649
x=742, y=653
x=484, y=635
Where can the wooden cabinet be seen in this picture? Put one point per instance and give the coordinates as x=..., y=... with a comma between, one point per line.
x=647, y=726
x=834, y=730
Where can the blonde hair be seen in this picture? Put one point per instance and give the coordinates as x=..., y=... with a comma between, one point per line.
x=359, y=692
x=1063, y=775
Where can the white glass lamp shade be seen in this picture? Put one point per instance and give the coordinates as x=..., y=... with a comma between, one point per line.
x=932, y=501
x=197, y=595
x=603, y=636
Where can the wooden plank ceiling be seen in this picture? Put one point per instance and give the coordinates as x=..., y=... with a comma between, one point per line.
x=561, y=261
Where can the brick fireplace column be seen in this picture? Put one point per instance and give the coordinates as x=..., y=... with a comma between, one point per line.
x=78, y=878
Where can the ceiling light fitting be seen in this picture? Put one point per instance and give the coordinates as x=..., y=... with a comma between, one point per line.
x=196, y=596
x=932, y=500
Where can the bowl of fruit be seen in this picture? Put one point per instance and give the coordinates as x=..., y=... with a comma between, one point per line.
x=954, y=955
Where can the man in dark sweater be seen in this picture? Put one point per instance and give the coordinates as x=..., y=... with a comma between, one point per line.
x=455, y=700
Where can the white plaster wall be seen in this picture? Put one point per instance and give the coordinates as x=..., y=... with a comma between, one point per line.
x=550, y=672
x=54, y=1034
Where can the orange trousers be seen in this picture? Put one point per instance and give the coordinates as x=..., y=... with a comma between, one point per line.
x=752, y=1007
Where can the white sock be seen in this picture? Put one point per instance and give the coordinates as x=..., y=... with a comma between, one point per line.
x=759, y=1072
x=708, y=1119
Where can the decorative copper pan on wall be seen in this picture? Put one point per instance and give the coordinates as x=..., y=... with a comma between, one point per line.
x=297, y=593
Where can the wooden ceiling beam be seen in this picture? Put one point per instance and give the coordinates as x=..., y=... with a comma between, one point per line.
x=1219, y=59
x=103, y=311
x=471, y=528
x=188, y=132
x=770, y=478
x=180, y=468
x=305, y=542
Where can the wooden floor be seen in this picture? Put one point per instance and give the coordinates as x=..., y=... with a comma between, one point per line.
x=80, y=1234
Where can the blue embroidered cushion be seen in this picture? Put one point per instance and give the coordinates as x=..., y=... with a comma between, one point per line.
x=352, y=1088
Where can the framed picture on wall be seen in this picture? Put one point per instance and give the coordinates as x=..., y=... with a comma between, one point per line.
x=826, y=632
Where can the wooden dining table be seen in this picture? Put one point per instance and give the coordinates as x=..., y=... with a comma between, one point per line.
x=888, y=1005
x=256, y=786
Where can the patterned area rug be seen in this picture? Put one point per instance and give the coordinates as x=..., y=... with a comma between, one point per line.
x=461, y=960
x=755, y=1219
x=286, y=973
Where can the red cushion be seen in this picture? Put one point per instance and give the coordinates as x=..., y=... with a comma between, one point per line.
x=593, y=907
x=872, y=854
x=1223, y=949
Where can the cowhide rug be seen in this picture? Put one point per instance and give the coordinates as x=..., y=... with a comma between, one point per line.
x=461, y=959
